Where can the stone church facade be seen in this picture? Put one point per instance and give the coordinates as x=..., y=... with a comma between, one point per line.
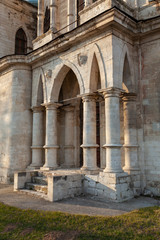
x=80, y=101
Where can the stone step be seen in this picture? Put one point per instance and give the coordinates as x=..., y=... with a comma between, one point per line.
x=40, y=180
x=34, y=193
x=37, y=187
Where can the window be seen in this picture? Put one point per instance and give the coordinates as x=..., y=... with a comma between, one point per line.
x=20, y=42
x=80, y=4
x=47, y=20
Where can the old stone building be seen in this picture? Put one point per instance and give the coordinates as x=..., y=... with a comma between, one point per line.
x=80, y=113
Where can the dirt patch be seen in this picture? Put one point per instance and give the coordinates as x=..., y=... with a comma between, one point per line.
x=57, y=235
x=9, y=228
x=26, y=231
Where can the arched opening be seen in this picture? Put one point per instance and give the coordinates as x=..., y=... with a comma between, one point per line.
x=40, y=96
x=127, y=80
x=128, y=116
x=95, y=84
x=47, y=20
x=69, y=123
x=20, y=42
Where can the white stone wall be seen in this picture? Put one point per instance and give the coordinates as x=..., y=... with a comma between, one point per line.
x=16, y=121
x=14, y=15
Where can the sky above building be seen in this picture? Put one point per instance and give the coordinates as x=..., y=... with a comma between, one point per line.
x=34, y=2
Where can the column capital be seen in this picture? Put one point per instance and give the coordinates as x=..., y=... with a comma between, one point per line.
x=37, y=109
x=52, y=105
x=89, y=97
x=129, y=97
x=111, y=92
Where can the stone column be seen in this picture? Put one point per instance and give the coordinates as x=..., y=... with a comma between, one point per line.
x=40, y=17
x=89, y=133
x=37, y=137
x=112, y=128
x=53, y=15
x=130, y=133
x=51, y=145
x=87, y=2
x=70, y=15
x=69, y=137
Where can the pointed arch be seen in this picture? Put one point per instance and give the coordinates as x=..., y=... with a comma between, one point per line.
x=39, y=94
x=97, y=64
x=61, y=72
x=95, y=79
x=20, y=42
x=126, y=72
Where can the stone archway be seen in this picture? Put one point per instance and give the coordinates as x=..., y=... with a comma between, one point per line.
x=69, y=122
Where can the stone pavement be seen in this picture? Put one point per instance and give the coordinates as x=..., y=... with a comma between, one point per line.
x=78, y=205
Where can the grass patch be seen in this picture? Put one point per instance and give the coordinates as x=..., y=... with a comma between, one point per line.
x=20, y=224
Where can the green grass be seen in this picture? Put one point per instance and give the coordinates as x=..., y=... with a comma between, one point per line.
x=20, y=224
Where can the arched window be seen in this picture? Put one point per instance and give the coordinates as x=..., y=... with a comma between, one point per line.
x=47, y=20
x=20, y=42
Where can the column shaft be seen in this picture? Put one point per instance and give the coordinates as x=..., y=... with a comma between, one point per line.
x=51, y=146
x=40, y=16
x=87, y=2
x=70, y=15
x=112, y=118
x=53, y=15
x=89, y=133
x=37, y=137
x=69, y=137
x=130, y=133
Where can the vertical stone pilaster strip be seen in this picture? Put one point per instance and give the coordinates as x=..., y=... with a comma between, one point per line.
x=70, y=15
x=87, y=3
x=40, y=18
x=53, y=15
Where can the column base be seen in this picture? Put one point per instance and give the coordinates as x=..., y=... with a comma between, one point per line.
x=106, y=170
x=46, y=168
x=90, y=171
x=33, y=167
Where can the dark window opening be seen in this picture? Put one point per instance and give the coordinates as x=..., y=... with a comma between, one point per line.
x=20, y=42
x=47, y=20
x=80, y=5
